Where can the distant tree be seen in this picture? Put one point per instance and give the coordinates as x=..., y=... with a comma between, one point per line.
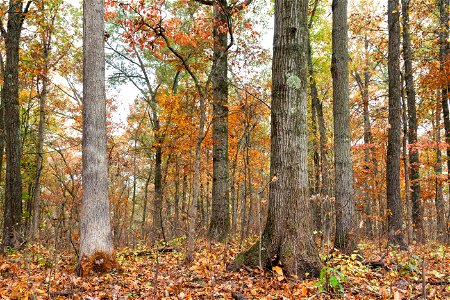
x=345, y=206
x=287, y=238
x=12, y=213
x=95, y=228
x=394, y=202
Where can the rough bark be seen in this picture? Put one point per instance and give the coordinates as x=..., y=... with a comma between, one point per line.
x=344, y=202
x=12, y=214
x=95, y=227
x=417, y=207
x=220, y=213
x=394, y=202
x=287, y=238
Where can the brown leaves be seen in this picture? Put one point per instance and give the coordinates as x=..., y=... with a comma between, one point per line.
x=37, y=273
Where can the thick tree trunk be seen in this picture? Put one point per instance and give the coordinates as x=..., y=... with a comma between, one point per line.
x=95, y=224
x=394, y=202
x=344, y=202
x=287, y=238
x=12, y=214
x=417, y=207
x=220, y=214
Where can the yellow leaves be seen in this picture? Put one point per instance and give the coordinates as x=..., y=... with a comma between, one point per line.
x=279, y=271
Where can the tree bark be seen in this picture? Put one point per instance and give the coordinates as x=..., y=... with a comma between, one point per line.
x=394, y=202
x=12, y=214
x=287, y=238
x=95, y=224
x=439, y=197
x=414, y=163
x=220, y=213
x=344, y=202
x=443, y=51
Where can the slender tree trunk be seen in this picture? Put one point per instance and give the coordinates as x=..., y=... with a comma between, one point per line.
x=409, y=228
x=417, y=207
x=322, y=218
x=95, y=224
x=12, y=214
x=220, y=214
x=439, y=198
x=251, y=208
x=394, y=202
x=345, y=206
x=39, y=155
x=363, y=84
x=144, y=209
x=133, y=193
x=2, y=121
x=158, y=197
x=287, y=237
x=197, y=177
x=443, y=51
x=177, y=202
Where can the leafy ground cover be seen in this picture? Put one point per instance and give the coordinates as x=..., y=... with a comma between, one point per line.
x=159, y=273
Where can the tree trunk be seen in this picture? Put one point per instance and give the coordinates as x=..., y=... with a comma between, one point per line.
x=344, y=202
x=443, y=50
x=12, y=214
x=158, y=197
x=417, y=207
x=394, y=202
x=176, y=201
x=363, y=84
x=439, y=198
x=144, y=209
x=220, y=214
x=95, y=227
x=133, y=193
x=287, y=238
x=409, y=228
x=192, y=215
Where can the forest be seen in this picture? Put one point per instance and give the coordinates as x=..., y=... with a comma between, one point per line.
x=224, y=149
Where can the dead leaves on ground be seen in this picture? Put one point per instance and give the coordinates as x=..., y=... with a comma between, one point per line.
x=40, y=273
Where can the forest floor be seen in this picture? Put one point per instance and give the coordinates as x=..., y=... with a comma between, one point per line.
x=37, y=272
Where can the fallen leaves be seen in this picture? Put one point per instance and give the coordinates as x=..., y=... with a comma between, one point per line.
x=40, y=273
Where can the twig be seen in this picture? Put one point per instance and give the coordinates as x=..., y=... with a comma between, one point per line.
x=424, y=284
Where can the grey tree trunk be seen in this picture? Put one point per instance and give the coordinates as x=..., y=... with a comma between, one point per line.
x=409, y=229
x=363, y=84
x=439, y=197
x=443, y=51
x=287, y=237
x=417, y=207
x=394, y=202
x=95, y=224
x=344, y=202
x=220, y=213
x=12, y=214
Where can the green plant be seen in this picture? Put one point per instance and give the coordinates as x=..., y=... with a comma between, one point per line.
x=330, y=280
